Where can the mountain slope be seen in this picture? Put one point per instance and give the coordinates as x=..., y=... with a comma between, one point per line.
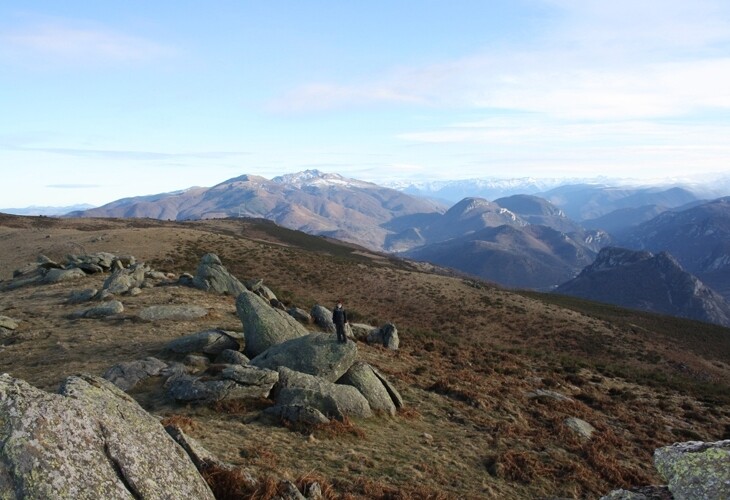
x=699, y=238
x=312, y=201
x=531, y=256
x=649, y=282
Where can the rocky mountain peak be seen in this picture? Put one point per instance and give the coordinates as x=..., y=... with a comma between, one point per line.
x=614, y=257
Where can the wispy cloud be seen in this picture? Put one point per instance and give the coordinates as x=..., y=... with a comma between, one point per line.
x=132, y=155
x=594, y=60
x=73, y=186
x=61, y=41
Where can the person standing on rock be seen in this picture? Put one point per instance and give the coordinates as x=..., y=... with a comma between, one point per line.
x=339, y=318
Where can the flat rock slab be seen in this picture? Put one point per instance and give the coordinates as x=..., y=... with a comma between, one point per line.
x=89, y=441
x=101, y=311
x=207, y=342
x=190, y=389
x=128, y=374
x=316, y=354
x=173, y=313
x=59, y=275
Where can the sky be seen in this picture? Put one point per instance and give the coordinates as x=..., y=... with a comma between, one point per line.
x=104, y=100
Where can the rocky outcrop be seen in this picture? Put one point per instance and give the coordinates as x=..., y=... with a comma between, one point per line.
x=212, y=276
x=392, y=391
x=264, y=326
x=300, y=315
x=332, y=400
x=362, y=377
x=240, y=382
x=173, y=312
x=90, y=440
x=696, y=469
x=386, y=335
x=323, y=317
x=124, y=279
x=207, y=342
x=317, y=354
x=130, y=373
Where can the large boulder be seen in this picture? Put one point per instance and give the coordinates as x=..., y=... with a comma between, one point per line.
x=89, y=441
x=316, y=354
x=323, y=317
x=206, y=342
x=332, y=400
x=264, y=326
x=213, y=276
x=130, y=373
x=362, y=377
x=695, y=469
x=392, y=391
x=386, y=335
x=251, y=376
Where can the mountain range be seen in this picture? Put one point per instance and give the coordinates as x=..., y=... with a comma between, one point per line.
x=536, y=241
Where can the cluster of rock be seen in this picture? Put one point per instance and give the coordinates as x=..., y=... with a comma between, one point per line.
x=309, y=375
x=691, y=470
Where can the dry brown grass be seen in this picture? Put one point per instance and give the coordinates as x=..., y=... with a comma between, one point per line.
x=185, y=423
x=487, y=439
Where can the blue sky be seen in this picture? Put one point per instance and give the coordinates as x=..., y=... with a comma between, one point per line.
x=102, y=100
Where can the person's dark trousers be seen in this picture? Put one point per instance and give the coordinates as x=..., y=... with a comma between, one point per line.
x=341, y=333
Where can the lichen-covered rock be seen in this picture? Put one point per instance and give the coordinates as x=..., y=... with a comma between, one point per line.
x=386, y=335
x=231, y=357
x=641, y=493
x=201, y=390
x=79, y=296
x=8, y=323
x=206, y=342
x=212, y=275
x=300, y=315
x=123, y=279
x=338, y=401
x=298, y=413
x=580, y=427
x=695, y=469
x=173, y=312
x=316, y=354
x=360, y=331
x=89, y=441
x=130, y=373
x=264, y=326
x=101, y=311
x=392, y=391
x=362, y=377
x=251, y=376
x=59, y=275
x=323, y=317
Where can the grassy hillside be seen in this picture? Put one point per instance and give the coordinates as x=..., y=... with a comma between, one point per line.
x=471, y=360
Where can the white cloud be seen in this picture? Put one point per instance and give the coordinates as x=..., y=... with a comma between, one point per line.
x=596, y=60
x=64, y=42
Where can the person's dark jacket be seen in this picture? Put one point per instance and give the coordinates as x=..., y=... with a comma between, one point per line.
x=339, y=316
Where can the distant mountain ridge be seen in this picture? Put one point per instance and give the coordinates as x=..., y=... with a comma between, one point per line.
x=49, y=211
x=642, y=280
x=311, y=201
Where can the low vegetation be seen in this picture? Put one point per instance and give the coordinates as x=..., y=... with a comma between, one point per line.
x=489, y=376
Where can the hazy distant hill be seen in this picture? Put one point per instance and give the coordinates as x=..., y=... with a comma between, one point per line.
x=642, y=280
x=311, y=201
x=588, y=201
x=528, y=256
x=699, y=238
x=47, y=211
